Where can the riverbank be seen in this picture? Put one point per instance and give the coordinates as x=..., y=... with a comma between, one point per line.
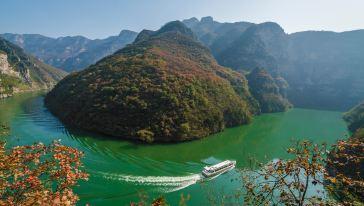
x=120, y=169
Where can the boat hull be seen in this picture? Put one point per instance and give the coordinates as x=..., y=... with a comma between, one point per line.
x=212, y=174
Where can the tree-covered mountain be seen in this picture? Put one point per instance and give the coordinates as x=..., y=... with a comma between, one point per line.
x=21, y=72
x=166, y=86
x=73, y=52
x=323, y=69
x=269, y=92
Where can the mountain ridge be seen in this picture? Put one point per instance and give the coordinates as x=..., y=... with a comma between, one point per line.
x=323, y=68
x=70, y=53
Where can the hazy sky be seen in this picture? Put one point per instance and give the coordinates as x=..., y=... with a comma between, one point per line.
x=102, y=18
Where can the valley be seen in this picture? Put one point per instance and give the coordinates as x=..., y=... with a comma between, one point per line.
x=262, y=104
x=322, y=68
x=120, y=169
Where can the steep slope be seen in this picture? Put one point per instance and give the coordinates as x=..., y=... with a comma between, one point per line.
x=355, y=117
x=164, y=87
x=70, y=53
x=261, y=46
x=269, y=92
x=21, y=72
x=325, y=69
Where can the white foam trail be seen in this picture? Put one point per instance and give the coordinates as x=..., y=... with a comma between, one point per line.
x=177, y=183
x=184, y=185
x=165, y=184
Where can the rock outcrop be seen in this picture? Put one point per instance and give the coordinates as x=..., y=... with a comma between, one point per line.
x=21, y=72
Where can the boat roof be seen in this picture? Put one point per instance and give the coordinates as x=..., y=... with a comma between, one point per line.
x=218, y=165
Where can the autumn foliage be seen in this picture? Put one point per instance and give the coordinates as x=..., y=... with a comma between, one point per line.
x=164, y=87
x=4, y=129
x=39, y=174
x=345, y=166
x=287, y=182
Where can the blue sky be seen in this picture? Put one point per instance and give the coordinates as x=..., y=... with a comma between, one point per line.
x=102, y=18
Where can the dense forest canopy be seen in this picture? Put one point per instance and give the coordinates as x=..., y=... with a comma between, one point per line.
x=165, y=86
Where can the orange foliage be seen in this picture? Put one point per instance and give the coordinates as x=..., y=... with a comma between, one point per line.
x=346, y=170
x=39, y=174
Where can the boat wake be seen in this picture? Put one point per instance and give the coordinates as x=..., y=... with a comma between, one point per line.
x=162, y=183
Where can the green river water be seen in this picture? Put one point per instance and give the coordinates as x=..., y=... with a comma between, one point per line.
x=119, y=170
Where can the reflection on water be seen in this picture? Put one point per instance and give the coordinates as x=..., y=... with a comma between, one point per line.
x=119, y=169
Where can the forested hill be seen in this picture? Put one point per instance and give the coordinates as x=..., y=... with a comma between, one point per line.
x=166, y=86
x=70, y=53
x=22, y=72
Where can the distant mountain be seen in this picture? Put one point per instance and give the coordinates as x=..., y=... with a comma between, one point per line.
x=166, y=86
x=215, y=35
x=70, y=53
x=323, y=69
x=261, y=45
x=21, y=72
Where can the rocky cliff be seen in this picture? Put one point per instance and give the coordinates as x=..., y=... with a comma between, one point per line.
x=21, y=72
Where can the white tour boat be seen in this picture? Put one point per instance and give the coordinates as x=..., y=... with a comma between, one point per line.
x=222, y=167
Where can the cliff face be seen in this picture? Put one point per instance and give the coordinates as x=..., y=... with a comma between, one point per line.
x=5, y=67
x=325, y=69
x=21, y=72
x=165, y=86
x=6, y=71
